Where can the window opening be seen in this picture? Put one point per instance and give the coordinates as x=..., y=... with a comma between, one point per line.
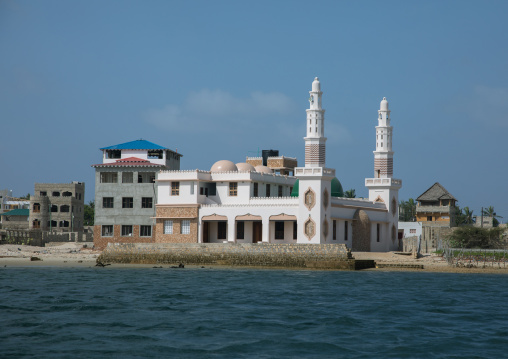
x=279, y=230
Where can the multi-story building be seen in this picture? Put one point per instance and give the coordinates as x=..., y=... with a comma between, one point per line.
x=57, y=207
x=436, y=207
x=125, y=190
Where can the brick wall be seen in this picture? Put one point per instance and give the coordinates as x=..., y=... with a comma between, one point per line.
x=176, y=214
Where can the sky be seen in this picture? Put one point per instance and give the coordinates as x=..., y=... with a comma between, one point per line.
x=225, y=79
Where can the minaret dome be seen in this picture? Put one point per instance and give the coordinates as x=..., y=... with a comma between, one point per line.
x=384, y=105
x=316, y=86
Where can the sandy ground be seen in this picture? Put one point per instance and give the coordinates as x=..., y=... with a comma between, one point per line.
x=75, y=255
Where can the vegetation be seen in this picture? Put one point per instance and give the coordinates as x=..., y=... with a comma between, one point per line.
x=350, y=193
x=474, y=237
x=463, y=216
x=407, y=210
x=25, y=197
x=489, y=212
x=89, y=213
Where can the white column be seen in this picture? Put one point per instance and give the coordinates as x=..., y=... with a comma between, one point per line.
x=266, y=230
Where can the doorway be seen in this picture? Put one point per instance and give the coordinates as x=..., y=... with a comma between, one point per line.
x=257, y=235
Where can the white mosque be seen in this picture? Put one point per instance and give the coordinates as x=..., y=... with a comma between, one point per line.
x=255, y=203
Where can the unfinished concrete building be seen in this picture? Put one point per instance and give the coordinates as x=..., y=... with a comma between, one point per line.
x=58, y=207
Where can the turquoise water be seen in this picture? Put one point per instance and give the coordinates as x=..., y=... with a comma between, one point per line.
x=212, y=313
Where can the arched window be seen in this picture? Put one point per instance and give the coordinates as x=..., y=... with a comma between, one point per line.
x=64, y=208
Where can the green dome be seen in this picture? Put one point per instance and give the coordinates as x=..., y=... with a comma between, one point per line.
x=294, y=192
x=337, y=190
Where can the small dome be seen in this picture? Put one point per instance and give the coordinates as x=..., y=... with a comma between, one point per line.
x=384, y=105
x=316, y=86
x=337, y=190
x=224, y=166
x=263, y=169
x=242, y=166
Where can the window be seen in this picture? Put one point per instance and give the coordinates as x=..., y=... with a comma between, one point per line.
x=127, y=202
x=256, y=189
x=146, y=202
x=109, y=177
x=267, y=190
x=175, y=188
x=107, y=230
x=185, y=228
x=279, y=230
x=127, y=177
x=334, y=229
x=429, y=218
x=113, y=154
x=146, y=177
x=64, y=208
x=64, y=224
x=412, y=230
x=295, y=230
x=107, y=202
x=68, y=194
x=221, y=230
x=233, y=189
x=192, y=188
x=126, y=231
x=378, y=230
x=145, y=231
x=56, y=194
x=346, y=229
x=37, y=207
x=240, y=226
x=155, y=154
x=280, y=191
x=43, y=193
x=168, y=227
x=201, y=191
x=54, y=208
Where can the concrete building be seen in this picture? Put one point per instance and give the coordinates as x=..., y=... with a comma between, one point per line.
x=242, y=203
x=436, y=207
x=125, y=190
x=57, y=207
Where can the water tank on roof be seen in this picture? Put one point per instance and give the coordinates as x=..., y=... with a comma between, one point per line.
x=268, y=153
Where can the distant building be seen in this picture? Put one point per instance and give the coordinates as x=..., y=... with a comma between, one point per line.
x=126, y=193
x=410, y=229
x=484, y=221
x=436, y=207
x=57, y=207
x=8, y=202
x=17, y=219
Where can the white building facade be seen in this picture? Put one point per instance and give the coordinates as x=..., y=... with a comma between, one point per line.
x=240, y=203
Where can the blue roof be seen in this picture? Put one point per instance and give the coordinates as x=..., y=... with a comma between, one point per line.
x=135, y=145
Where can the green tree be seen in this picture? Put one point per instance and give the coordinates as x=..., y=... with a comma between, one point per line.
x=407, y=210
x=89, y=213
x=489, y=212
x=467, y=216
x=25, y=197
x=350, y=193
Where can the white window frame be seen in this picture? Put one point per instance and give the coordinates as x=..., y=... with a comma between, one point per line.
x=168, y=227
x=185, y=226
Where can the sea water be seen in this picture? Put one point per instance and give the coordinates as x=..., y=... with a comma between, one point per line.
x=242, y=313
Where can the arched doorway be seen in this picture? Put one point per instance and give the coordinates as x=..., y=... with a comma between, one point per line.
x=361, y=232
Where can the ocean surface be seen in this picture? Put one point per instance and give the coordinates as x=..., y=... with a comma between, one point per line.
x=241, y=313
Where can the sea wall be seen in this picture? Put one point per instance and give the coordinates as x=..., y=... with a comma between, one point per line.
x=325, y=256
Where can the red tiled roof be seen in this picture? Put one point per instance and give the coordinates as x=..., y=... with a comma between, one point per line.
x=129, y=161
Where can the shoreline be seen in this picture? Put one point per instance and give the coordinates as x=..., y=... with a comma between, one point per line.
x=73, y=255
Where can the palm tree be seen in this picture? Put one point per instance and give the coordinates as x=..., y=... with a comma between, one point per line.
x=350, y=193
x=489, y=212
x=407, y=210
x=411, y=204
x=467, y=216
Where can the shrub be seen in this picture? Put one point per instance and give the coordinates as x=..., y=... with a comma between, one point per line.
x=474, y=237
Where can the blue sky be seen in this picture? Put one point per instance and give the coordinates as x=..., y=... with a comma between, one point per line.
x=220, y=79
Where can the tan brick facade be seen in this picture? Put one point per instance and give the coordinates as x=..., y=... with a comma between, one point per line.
x=256, y=161
x=101, y=242
x=177, y=215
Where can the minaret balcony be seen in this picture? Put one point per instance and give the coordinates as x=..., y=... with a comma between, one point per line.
x=383, y=182
x=314, y=171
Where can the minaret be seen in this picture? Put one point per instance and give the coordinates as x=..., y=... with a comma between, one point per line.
x=383, y=188
x=314, y=180
x=383, y=155
x=315, y=148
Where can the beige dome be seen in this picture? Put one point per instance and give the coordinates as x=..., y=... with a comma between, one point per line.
x=263, y=169
x=224, y=166
x=242, y=166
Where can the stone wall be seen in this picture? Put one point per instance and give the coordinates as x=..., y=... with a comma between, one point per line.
x=331, y=256
x=176, y=214
x=40, y=238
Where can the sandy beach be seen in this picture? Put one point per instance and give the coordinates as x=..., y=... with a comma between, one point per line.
x=78, y=255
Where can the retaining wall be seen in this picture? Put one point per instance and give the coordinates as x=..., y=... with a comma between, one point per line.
x=325, y=256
